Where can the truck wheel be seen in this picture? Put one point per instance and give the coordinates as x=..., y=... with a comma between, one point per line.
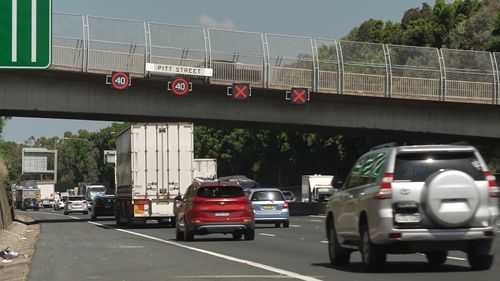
x=338, y=255
x=436, y=258
x=372, y=255
x=93, y=217
x=250, y=234
x=479, y=261
x=86, y=213
x=65, y=213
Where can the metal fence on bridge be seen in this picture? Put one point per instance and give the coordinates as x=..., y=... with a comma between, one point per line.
x=102, y=45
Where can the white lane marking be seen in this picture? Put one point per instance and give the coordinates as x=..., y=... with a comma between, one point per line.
x=226, y=257
x=325, y=242
x=316, y=220
x=55, y=214
x=452, y=258
x=294, y=225
x=130, y=247
x=33, y=30
x=14, y=31
x=457, y=259
x=267, y=234
x=233, y=276
x=317, y=216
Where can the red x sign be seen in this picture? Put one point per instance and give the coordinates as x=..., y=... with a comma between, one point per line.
x=299, y=95
x=240, y=91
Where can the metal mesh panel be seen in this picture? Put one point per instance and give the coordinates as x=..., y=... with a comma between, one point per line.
x=416, y=72
x=116, y=45
x=177, y=45
x=67, y=41
x=237, y=56
x=469, y=75
x=365, y=69
x=328, y=62
x=290, y=61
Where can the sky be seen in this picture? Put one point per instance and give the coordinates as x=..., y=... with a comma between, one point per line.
x=329, y=19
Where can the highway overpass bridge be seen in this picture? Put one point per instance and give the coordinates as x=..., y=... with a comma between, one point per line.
x=353, y=85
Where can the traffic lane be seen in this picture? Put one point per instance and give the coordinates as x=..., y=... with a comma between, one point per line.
x=310, y=258
x=74, y=249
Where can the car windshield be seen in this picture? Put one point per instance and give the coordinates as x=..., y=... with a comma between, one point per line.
x=220, y=192
x=267, y=196
x=419, y=166
x=76, y=198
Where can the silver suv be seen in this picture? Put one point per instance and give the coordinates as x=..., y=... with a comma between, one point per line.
x=408, y=199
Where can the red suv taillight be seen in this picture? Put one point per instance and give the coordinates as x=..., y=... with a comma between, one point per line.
x=385, y=188
x=492, y=185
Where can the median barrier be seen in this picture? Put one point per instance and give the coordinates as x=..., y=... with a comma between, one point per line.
x=306, y=208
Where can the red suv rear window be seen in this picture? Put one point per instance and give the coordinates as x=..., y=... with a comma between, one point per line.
x=220, y=192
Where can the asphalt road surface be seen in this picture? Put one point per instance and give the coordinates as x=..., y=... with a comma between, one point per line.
x=75, y=248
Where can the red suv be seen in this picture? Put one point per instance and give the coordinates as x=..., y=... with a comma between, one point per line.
x=214, y=207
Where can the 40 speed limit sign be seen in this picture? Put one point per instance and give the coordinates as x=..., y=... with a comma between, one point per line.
x=180, y=86
x=119, y=80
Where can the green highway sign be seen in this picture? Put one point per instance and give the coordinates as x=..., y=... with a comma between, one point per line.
x=25, y=34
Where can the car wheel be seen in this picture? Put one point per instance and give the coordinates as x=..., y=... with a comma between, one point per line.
x=65, y=213
x=286, y=224
x=479, y=261
x=250, y=234
x=93, y=217
x=338, y=255
x=237, y=236
x=86, y=213
x=179, y=235
x=188, y=235
x=372, y=255
x=277, y=225
x=436, y=258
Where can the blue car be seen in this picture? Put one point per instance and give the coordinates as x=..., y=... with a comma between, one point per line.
x=269, y=206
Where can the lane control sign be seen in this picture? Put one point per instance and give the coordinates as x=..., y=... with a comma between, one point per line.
x=240, y=91
x=298, y=95
x=180, y=86
x=119, y=80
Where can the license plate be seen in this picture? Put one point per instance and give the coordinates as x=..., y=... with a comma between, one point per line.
x=407, y=218
x=222, y=214
x=268, y=207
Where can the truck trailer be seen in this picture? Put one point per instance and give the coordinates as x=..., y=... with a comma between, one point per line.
x=317, y=187
x=205, y=168
x=154, y=165
x=25, y=197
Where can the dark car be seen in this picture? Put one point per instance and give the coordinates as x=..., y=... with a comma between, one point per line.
x=103, y=206
x=30, y=203
x=215, y=207
x=289, y=196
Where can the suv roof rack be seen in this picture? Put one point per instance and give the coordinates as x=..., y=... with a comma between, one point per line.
x=389, y=144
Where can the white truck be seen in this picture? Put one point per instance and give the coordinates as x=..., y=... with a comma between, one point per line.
x=47, y=193
x=154, y=165
x=317, y=187
x=205, y=168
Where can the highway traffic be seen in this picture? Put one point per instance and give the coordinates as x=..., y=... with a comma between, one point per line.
x=75, y=248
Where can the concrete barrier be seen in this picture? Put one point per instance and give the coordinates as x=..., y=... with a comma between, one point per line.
x=307, y=208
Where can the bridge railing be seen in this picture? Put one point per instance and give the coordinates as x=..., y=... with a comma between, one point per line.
x=102, y=45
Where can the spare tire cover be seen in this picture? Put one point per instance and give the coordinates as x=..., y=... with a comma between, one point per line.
x=451, y=198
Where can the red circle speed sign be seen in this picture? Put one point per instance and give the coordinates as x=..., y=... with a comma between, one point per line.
x=180, y=86
x=120, y=80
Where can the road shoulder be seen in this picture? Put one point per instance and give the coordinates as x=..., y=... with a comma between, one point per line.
x=21, y=237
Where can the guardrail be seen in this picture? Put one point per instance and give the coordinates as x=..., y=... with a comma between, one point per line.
x=101, y=45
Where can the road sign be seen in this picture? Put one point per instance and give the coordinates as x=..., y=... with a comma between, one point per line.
x=240, y=91
x=179, y=70
x=298, y=95
x=25, y=34
x=180, y=86
x=120, y=80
